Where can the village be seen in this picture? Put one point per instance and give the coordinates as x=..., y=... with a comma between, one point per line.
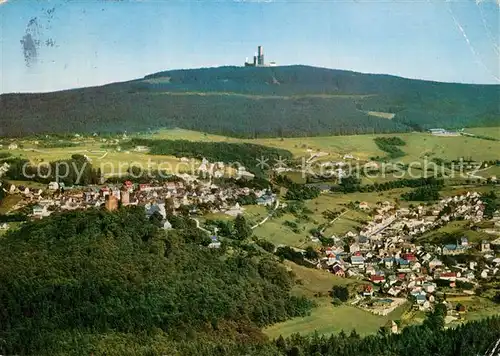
x=387, y=256
x=183, y=192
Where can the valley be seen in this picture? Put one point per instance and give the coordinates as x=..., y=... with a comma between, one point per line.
x=310, y=226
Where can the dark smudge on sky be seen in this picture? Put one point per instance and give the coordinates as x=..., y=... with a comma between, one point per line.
x=30, y=49
x=32, y=39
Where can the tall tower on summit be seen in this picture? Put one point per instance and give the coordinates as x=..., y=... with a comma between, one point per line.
x=260, y=56
x=258, y=59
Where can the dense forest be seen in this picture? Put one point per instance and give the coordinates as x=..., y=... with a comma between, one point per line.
x=254, y=102
x=234, y=154
x=80, y=281
x=352, y=184
x=100, y=283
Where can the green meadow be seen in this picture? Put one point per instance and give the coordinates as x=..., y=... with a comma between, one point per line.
x=418, y=147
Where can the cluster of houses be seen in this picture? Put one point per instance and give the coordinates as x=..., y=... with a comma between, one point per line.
x=385, y=255
x=185, y=191
x=389, y=221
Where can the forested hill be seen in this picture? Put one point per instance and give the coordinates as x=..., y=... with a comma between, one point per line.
x=99, y=283
x=255, y=102
x=95, y=282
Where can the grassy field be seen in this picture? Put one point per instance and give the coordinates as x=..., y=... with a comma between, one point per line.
x=412, y=317
x=418, y=145
x=457, y=227
x=327, y=319
x=449, y=191
x=492, y=171
x=476, y=307
x=8, y=202
x=110, y=161
x=275, y=231
x=383, y=115
x=350, y=221
x=314, y=281
x=479, y=308
x=485, y=131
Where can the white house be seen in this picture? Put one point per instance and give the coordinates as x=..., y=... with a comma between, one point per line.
x=53, y=186
x=485, y=246
x=40, y=211
x=215, y=242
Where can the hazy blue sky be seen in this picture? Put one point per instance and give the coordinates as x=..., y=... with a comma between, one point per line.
x=52, y=45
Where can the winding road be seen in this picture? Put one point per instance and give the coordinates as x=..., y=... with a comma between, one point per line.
x=198, y=226
x=268, y=215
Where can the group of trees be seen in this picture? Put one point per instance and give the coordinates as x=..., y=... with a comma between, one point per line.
x=300, y=192
x=295, y=191
x=349, y=184
x=288, y=253
x=265, y=244
x=424, y=193
x=11, y=217
x=57, y=144
x=2, y=192
x=250, y=199
x=340, y=293
x=74, y=171
x=242, y=230
x=491, y=204
x=352, y=184
x=390, y=146
x=332, y=214
x=255, y=183
x=238, y=229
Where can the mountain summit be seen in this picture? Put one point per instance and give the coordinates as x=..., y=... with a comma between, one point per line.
x=255, y=102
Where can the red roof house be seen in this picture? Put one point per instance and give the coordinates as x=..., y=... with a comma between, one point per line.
x=377, y=279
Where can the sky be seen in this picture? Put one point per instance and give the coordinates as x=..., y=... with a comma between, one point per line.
x=54, y=45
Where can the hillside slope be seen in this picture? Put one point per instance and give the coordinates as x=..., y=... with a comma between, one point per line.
x=254, y=102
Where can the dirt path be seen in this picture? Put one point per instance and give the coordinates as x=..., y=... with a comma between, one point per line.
x=268, y=215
